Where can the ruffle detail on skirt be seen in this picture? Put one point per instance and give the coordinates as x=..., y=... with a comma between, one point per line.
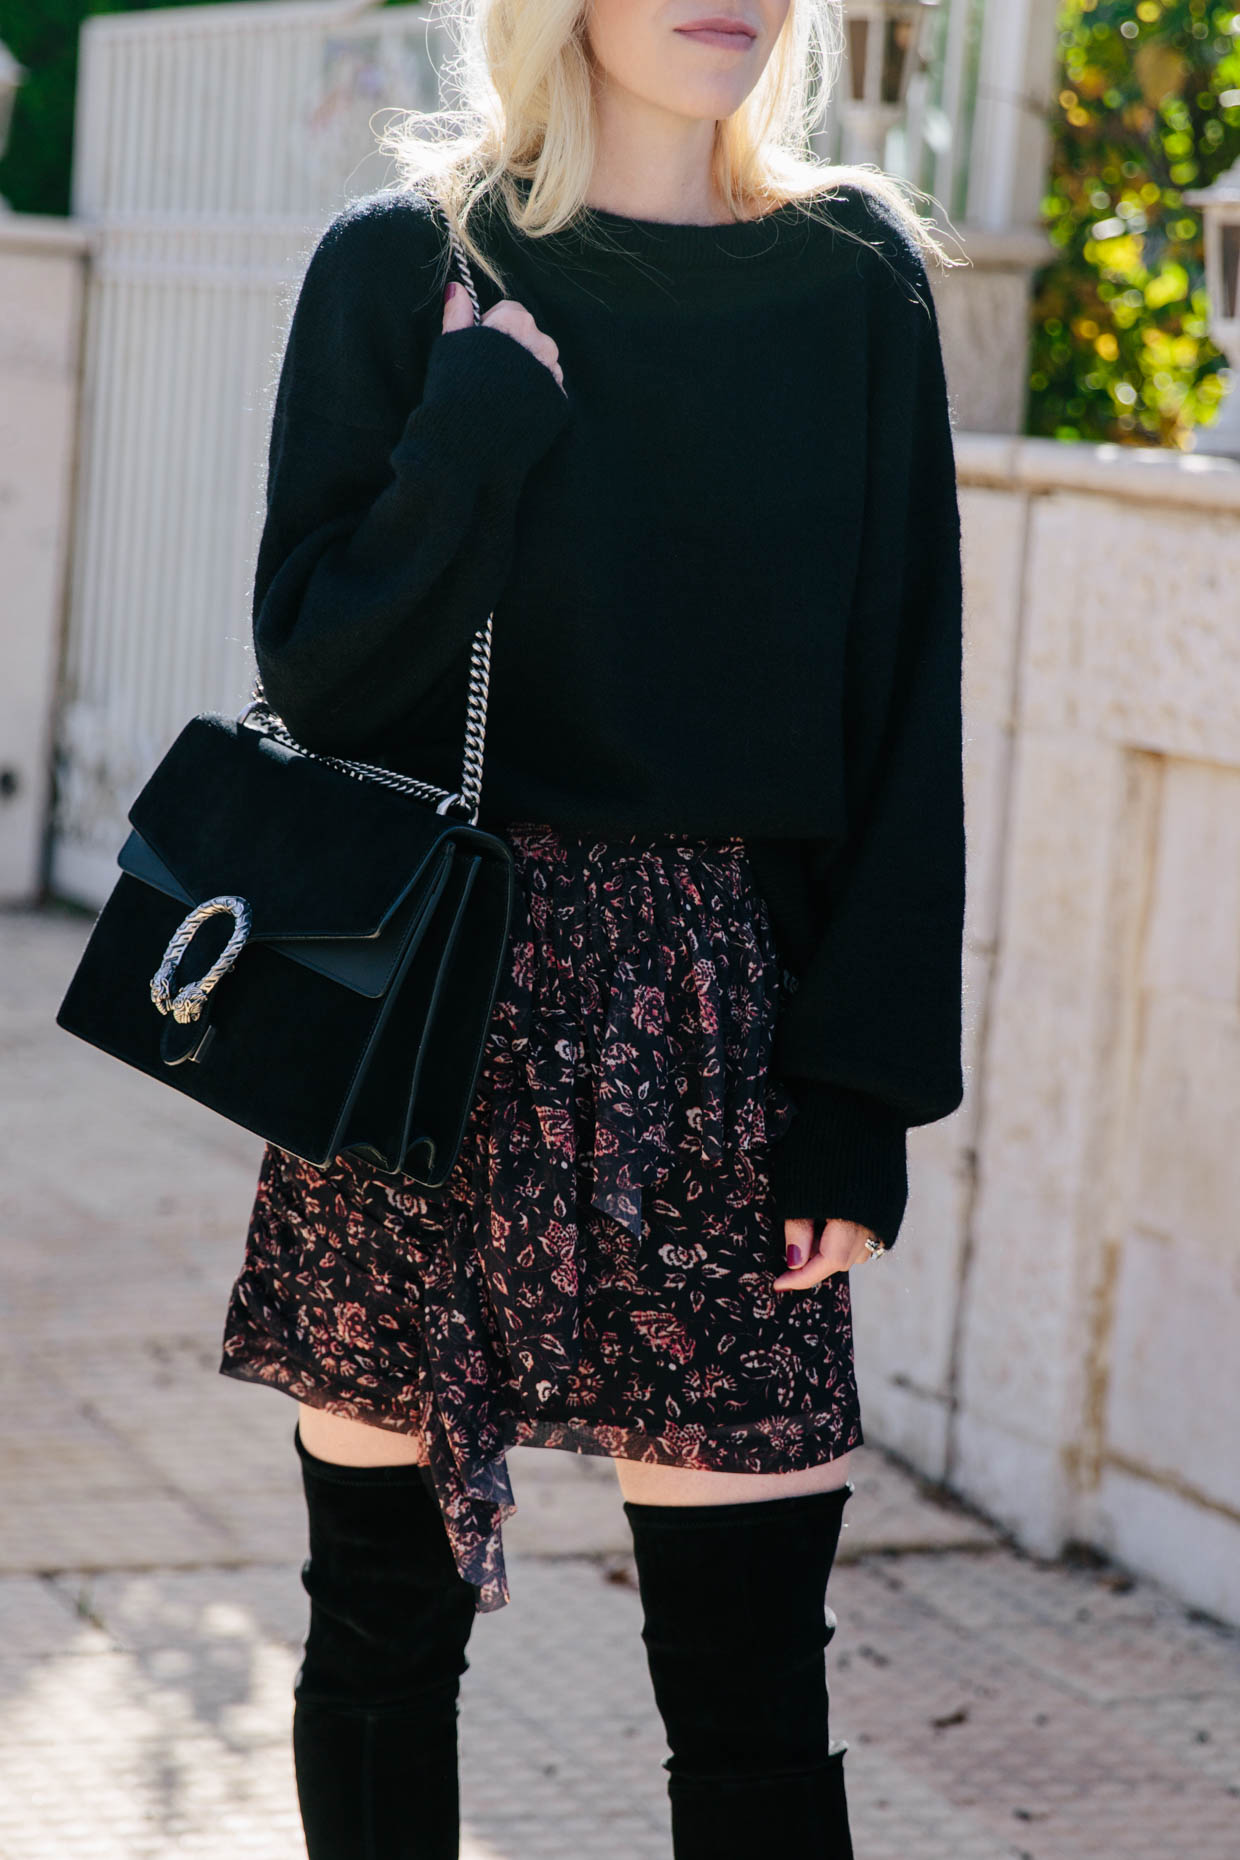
x=600, y=1261
x=633, y=1034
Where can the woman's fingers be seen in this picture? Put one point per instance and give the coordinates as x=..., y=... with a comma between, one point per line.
x=458, y=309
x=516, y=321
x=840, y=1248
x=510, y=316
x=799, y=1242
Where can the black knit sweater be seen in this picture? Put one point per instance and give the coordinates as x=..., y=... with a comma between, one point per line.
x=724, y=564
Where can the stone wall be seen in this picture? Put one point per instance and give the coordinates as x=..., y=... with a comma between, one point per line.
x=983, y=309
x=42, y=276
x=1057, y=1332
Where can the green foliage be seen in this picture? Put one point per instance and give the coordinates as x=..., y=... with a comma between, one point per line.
x=1149, y=108
x=43, y=36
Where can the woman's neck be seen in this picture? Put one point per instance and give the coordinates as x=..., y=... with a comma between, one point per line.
x=652, y=165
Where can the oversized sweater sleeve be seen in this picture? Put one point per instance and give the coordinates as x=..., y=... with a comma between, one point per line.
x=397, y=455
x=870, y=1041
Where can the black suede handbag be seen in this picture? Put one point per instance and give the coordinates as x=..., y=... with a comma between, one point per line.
x=346, y=927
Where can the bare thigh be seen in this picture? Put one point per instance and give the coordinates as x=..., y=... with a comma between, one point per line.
x=343, y=1442
x=682, y=1485
x=354, y=1443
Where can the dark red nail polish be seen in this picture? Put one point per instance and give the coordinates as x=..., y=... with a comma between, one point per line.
x=795, y=1256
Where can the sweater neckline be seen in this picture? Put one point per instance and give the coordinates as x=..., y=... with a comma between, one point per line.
x=684, y=246
x=696, y=238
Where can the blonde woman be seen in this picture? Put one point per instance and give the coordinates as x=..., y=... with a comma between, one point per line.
x=696, y=456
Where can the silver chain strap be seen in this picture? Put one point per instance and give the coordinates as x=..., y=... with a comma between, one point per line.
x=476, y=703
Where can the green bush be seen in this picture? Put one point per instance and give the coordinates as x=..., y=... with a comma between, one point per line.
x=1149, y=107
x=43, y=36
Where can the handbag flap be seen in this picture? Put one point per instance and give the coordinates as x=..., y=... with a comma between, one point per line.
x=315, y=853
x=365, y=964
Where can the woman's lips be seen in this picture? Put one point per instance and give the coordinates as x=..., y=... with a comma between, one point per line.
x=737, y=41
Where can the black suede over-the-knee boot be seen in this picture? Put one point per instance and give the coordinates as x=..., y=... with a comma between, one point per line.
x=374, y=1723
x=736, y=1626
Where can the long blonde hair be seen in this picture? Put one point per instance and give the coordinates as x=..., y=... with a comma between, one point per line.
x=522, y=74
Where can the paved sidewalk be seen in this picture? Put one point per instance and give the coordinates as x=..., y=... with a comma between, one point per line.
x=151, y=1533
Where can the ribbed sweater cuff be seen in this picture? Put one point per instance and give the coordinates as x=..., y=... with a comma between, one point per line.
x=490, y=399
x=844, y=1157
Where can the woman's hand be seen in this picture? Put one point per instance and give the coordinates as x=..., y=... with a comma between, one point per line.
x=841, y=1246
x=510, y=316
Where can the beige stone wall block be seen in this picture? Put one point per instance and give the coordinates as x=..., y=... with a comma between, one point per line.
x=987, y=770
x=1037, y=1087
x=905, y=1320
x=906, y=1421
x=1015, y=1478
x=39, y=328
x=948, y=1143
x=1065, y=797
x=1019, y=1331
x=1016, y=1361
x=960, y=1130
x=36, y=455
x=41, y=291
x=1050, y=646
x=1131, y=632
x=942, y=1145
x=904, y=1308
x=1194, y=935
x=1172, y=1537
x=904, y=1313
x=1173, y=1405
x=992, y=549
x=1185, y=1146
x=984, y=316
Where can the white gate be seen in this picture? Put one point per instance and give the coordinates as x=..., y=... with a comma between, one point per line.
x=212, y=145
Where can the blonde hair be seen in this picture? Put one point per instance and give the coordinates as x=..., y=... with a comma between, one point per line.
x=522, y=73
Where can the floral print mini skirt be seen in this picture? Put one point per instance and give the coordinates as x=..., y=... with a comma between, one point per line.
x=596, y=1274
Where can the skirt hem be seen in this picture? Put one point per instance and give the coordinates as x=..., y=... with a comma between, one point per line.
x=597, y=1438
